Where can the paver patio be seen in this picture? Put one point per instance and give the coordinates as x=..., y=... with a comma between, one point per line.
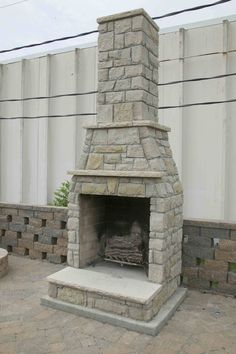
x=203, y=324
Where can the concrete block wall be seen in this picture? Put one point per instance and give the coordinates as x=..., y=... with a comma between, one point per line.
x=209, y=247
x=39, y=232
x=209, y=255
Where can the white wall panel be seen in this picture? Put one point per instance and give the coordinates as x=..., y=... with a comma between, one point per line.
x=36, y=155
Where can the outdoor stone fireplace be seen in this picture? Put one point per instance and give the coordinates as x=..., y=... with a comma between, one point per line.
x=125, y=202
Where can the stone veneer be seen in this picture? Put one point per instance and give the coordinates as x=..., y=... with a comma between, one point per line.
x=127, y=153
x=36, y=231
x=209, y=255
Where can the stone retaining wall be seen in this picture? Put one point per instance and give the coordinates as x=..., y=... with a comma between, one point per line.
x=209, y=247
x=37, y=231
x=209, y=255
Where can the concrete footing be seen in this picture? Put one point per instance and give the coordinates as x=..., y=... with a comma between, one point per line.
x=152, y=327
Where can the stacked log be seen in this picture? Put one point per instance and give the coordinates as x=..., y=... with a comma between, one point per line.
x=126, y=248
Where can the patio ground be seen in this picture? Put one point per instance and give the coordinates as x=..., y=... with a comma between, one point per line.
x=203, y=324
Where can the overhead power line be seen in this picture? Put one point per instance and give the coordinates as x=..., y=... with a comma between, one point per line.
x=48, y=42
x=195, y=8
x=195, y=79
x=50, y=116
x=74, y=94
x=12, y=4
x=96, y=31
x=94, y=113
x=198, y=104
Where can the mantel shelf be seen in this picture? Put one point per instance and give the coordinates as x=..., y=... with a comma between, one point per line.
x=112, y=173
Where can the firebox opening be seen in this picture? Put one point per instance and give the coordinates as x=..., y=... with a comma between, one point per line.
x=114, y=229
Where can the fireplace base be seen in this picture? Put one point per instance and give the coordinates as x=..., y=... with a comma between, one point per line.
x=152, y=327
x=120, y=296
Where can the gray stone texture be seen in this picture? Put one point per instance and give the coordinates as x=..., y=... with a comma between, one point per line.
x=34, y=231
x=209, y=255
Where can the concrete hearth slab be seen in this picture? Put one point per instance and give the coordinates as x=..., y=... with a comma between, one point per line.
x=152, y=327
x=122, y=286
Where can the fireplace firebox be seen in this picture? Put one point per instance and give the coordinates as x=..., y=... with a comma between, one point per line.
x=114, y=229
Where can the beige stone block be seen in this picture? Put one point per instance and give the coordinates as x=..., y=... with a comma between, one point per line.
x=178, y=187
x=115, y=97
x=105, y=41
x=157, y=164
x=24, y=243
x=225, y=255
x=135, y=95
x=105, y=64
x=119, y=41
x=116, y=73
x=122, y=85
x=176, y=269
x=156, y=273
x=72, y=296
x=120, y=54
x=112, y=185
x=41, y=247
x=141, y=164
x=123, y=112
x=150, y=147
x=134, y=70
x=134, y=38
x=227, y=245
x=158, y=222
x=123, y=136
x=105, y=113
x=122, y=26
x=52, y=290
x=99, y=137
x=111, y=306
x=110, y=149
x=140, y=82
x=95, y=162
x=135, y=151
x=157, y=244
x=159, y=257
x=106, y=86
x=140, y=55
x=73, y=224
x=112, y=158
x=90, y=188
x=129, y=189
x=103, y=75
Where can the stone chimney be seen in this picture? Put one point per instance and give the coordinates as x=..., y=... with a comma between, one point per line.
x=128, y=68
x=127, y=153
x=126, y=176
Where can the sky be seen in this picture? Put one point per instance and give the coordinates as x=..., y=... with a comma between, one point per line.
x=29, y=21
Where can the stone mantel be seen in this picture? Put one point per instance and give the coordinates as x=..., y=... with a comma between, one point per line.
x=111, y=173
x=141, y=123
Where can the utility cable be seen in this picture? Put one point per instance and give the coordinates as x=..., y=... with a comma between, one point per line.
x=51, y=116
x=196, y=79
x=96, y=31
x=200, y=7
x=94, y=114
x=74, y=94
x=14, y=3
x=198, y=104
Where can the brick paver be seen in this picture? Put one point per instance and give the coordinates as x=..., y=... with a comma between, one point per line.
x=204, y=323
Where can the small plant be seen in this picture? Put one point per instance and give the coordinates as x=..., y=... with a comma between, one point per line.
x=61, y=195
